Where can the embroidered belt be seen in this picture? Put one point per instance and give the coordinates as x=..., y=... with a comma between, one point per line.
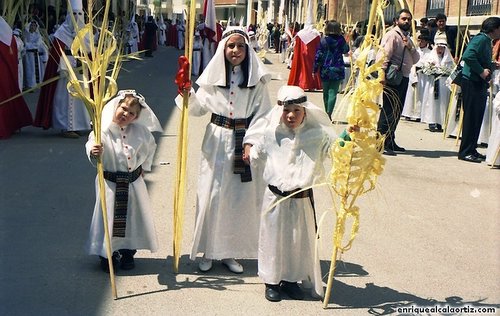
x=122, y=180
x=240, y=127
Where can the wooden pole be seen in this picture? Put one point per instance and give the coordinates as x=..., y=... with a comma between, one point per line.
x=180, y=185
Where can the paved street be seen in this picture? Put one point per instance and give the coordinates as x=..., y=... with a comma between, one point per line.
x=429, y=233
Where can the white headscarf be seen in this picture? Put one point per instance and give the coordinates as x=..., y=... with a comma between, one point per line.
x=445, y=61
x=316, y=117
x=5, y=32
x=215, y=74
x=146, y=117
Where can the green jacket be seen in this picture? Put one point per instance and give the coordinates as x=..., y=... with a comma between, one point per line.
x=477, y=56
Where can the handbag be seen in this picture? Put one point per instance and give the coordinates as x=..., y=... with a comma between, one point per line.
x=456, y=75
x=393, y=75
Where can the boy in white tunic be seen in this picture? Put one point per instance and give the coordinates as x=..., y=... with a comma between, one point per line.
x=292, y=141
x=126, y=151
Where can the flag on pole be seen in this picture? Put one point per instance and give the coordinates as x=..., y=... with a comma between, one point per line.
x=210, y=20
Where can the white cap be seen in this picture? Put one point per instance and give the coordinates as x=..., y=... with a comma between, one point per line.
x=440, y=40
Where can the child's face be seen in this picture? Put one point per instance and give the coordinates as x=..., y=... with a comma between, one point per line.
x=235, y=50
x=126, y=112
x=293, y=115
x=422, y=43
x=440, y=50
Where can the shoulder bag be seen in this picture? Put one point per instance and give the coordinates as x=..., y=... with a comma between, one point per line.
x=393, y=73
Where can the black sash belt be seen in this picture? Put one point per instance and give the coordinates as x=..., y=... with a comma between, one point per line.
x=436, y=88
x=300, y=195
x=122, y=180
x=240, y=127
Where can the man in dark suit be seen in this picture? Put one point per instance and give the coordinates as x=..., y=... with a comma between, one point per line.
x=443, y=30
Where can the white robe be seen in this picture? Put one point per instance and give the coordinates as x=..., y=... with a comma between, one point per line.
x=492, y=153
x=162, y=37
x=208, y=51
x=20, y=68
x=415, y=94
x=69, y=113
x=35, y=58
x=133, y=41
x=293, y=159
x=197, y=51
x=137, y=142
x=180, y=36
x=227, y=210
x=434, y=109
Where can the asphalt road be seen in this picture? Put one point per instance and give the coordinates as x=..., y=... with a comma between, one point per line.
x=429, y=233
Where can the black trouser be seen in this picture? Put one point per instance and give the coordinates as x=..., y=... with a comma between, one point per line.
x=392, y=108
x=474, y=96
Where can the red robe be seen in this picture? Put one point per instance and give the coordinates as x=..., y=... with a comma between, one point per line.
x=43, y=116
x=13, y=114
x=172, y=35
x=302, y=65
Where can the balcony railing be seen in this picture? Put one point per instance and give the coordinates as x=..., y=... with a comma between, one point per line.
x=434, y=7
x=479, y=7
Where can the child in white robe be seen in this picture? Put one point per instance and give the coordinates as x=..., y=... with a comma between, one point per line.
x=436, y=93
x=412, y=108
x=292, y=142
x=233, y=90
x=127, y=149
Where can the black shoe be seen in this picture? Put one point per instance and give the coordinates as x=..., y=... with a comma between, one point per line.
x=127, y=260
x=116, y=262
x=479, y=156
x=292, y=289
x=273, y=292
x=470, y=158
x=397, y=148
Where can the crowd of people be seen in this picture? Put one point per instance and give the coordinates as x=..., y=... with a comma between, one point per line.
x=252, y=150
x=423, y=90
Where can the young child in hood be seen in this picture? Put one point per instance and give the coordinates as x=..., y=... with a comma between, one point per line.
x=292, y=143
x=126, y=151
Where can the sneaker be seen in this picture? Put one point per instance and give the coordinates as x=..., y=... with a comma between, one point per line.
x=233, y=265
x=292, y=289
x=205, y=264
